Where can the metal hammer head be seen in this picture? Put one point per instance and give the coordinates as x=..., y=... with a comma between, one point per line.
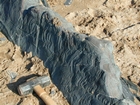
x=27, y=87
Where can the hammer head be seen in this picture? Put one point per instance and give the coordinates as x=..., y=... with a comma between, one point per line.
x=27, y=87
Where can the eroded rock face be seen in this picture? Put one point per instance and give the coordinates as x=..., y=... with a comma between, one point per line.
x=81, y=66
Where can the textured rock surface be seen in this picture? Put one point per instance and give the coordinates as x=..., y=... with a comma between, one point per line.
x=81, y=66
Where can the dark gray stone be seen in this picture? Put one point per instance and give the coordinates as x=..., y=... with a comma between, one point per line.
x=68, y=2
x=81, y=66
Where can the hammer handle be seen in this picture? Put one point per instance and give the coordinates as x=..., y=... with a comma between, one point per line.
x=43, y=95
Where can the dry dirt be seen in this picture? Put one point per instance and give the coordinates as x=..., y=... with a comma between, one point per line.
x=115, y=20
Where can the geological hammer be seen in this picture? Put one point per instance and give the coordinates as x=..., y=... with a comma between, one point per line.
x=36, y=85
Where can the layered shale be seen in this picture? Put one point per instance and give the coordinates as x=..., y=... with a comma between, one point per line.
x=81, y=66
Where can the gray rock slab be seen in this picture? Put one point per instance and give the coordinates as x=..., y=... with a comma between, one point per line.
x=81, y=66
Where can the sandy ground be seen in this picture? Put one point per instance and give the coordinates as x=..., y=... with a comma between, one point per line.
x=115, y=20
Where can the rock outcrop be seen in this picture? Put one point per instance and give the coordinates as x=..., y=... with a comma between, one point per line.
x=81, y=66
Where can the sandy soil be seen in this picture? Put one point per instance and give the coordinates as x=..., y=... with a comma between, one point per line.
x=115, y=20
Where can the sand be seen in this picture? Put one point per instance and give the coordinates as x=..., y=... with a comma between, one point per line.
x=115, y=20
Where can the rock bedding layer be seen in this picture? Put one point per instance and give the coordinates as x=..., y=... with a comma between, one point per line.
x=81, y=66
